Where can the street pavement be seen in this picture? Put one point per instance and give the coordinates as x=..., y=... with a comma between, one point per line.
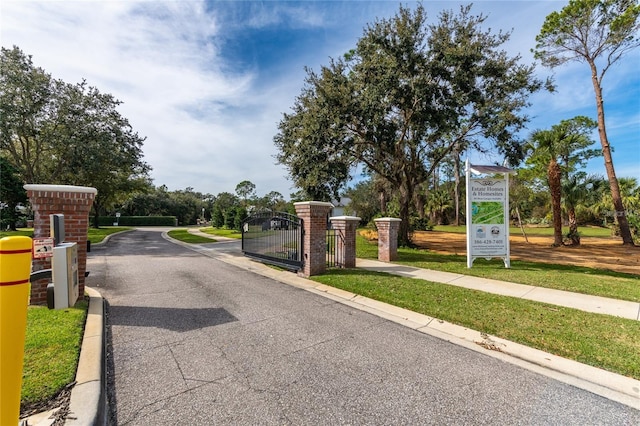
x=197, y=341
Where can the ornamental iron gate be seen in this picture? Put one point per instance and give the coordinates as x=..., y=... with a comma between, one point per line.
x=335, y=239
x=274, y=238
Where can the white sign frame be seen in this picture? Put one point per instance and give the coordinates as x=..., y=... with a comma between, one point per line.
x=487, y=214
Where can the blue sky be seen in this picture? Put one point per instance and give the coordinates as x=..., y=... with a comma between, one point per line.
x=208, y=82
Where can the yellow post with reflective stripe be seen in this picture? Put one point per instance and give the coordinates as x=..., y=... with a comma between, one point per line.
x=15, y=269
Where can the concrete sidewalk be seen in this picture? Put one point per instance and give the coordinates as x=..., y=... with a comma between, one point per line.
x=198, y=232
x=583, y=302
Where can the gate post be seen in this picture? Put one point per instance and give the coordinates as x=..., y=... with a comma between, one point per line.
x=314, y=215
x=387, y=238
x=75, y=203
x=346, y=246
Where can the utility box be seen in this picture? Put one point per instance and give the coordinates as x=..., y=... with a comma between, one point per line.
x=65, y=275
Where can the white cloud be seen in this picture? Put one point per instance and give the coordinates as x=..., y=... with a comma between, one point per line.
x=162, y=61
x=210, y=121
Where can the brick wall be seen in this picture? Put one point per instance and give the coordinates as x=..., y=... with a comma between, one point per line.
x=346, y=246
x=314, y=246
x=387, y=238
x=74, y=202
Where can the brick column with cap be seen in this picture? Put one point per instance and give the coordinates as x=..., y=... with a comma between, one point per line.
x=387, y=238
x=74, y=202
x=345, y=246
x=314, y=247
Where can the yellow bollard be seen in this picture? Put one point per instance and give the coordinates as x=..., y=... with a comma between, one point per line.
x=15, y=269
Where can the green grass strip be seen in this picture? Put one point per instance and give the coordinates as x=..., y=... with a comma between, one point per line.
x=221, y=232
x=186, y=237
x=94, y=235
x=599, y=340
x=99, y=234
x=25, y=232
x=577, y=279
x=52, y=347
x=535, y=231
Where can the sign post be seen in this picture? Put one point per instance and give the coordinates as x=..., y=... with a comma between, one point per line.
x=488, y=214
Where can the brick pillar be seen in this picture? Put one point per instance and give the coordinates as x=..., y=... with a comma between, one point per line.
x=387, y=238
x=314, y=215
x=74, y=202
x=345, y=246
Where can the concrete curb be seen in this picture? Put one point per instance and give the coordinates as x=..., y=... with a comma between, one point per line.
x=88, y=404
x=615, y=387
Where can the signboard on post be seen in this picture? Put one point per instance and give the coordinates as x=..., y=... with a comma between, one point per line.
x=488, y=214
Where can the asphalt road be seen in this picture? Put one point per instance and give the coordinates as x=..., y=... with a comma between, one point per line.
x=195, y=341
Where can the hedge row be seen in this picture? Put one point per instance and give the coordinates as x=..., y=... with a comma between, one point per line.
x=138, y=221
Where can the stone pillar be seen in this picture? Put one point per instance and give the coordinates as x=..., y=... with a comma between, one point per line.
x=74, y=202
x=387, y=238
x=345, y=246
x=314, y=215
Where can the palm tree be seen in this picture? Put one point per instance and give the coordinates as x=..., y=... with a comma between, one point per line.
x=559, y=151
x=603, y=203
x=574, y=191
x=546, y=144
x=438, y=202
x=631, y=200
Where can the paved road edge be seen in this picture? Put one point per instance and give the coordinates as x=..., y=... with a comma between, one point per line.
x=615, y=387
x=609, y=385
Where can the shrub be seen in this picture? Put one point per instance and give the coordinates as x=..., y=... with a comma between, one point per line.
x=138, y=221
x=420, y=224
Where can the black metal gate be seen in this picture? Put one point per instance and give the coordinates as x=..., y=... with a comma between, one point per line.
x=335, y=239
x=274, y=238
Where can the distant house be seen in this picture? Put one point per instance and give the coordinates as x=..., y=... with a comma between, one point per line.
x=339, y=206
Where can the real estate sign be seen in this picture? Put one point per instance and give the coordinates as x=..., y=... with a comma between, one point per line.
x=488, y=215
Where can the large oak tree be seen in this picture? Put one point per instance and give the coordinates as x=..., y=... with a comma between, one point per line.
x=401, y=101
x=55, y=132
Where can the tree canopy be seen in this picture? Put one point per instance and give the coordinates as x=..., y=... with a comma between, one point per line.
x=598, y=33
x=246, y=190
x=55, y=132
x=407, y=96
x=12, y=194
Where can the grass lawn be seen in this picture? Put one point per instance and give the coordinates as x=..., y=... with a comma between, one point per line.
x=221, y=232
x=52, y=348
x=94, y=235
x=97, y=235
x=23, y=232
x=589, y=231
x=186, y=237
x=596, y=282
x=599, y=340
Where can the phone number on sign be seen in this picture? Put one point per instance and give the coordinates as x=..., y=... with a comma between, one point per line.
x=487, y=242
